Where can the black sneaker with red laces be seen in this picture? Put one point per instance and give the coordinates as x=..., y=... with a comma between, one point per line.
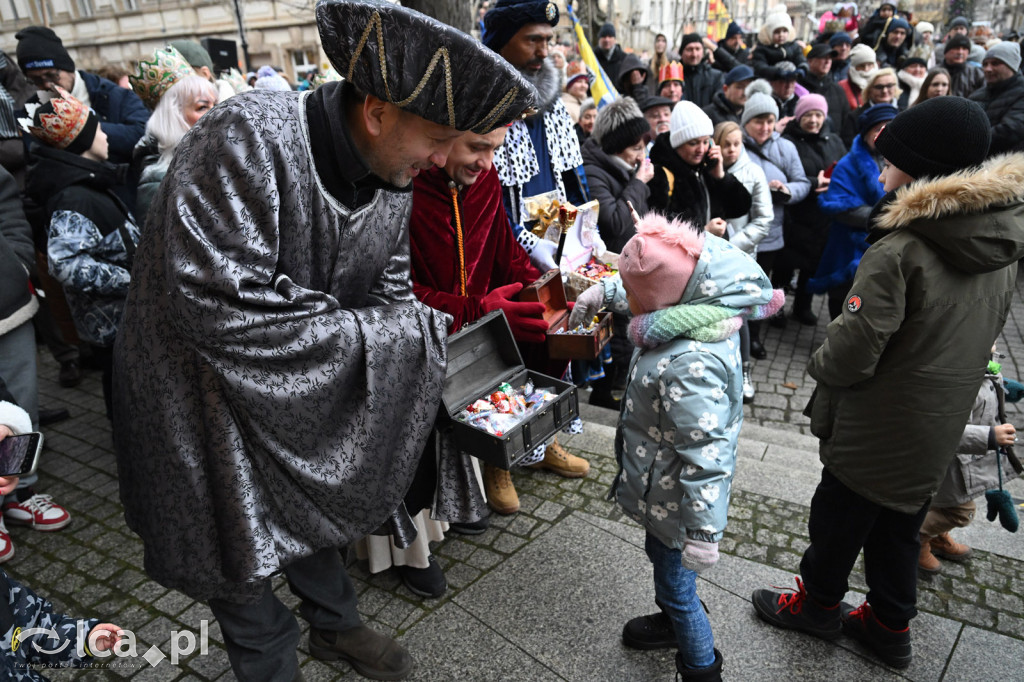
x=796, y=610
x=892, y=646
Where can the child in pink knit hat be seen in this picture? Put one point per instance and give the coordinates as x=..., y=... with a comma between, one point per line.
x=689, y=292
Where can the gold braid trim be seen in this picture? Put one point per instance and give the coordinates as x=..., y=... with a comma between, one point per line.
x=487, y=123
x=459, y=238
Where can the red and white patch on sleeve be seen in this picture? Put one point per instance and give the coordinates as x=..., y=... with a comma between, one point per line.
x=853, y=303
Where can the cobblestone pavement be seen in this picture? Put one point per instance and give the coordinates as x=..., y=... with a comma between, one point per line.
x=94, y=567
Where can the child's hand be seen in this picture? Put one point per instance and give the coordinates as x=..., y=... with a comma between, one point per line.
x=1006, y=434
x=104, y=636
x=698, y=556
x=8, y=484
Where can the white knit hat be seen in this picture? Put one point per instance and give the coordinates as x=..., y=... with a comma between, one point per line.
x=862, y=54
x=925, y=27
x=687, y=122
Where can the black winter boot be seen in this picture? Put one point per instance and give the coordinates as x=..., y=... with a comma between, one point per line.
x=653, y=631
x=712, y=673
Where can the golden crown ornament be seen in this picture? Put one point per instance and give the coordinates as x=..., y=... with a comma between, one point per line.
x=157, y=76
x=60, y=128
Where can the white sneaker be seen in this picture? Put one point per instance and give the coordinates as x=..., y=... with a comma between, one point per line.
x=748, y=388
x=39, y=512
x=6, y=546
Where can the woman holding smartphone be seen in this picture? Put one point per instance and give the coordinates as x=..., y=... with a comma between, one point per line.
x=690, y=182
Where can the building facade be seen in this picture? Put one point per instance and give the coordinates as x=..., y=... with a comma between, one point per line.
x=99, y=32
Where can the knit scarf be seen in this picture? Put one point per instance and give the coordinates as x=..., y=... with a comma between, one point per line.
x=700, y=322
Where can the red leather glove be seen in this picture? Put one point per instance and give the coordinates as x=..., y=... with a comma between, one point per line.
x=525, y=319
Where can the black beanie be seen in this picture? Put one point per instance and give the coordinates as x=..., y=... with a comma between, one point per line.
x=690, y=38
x=620, y=124
x=936, y=137
x=40, y=48
x=958, y=41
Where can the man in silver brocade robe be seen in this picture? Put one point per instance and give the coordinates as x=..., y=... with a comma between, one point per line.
x=275, y=378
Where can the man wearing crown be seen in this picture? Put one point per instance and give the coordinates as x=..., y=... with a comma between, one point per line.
x=670, y=82
x=276, y=378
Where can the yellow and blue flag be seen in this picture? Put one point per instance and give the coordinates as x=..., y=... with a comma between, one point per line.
x=718, y=19
x=602, y=88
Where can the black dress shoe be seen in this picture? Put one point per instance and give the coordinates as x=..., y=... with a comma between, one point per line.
x=52, y=416
x=372, y=654
x=604, y=399
x=426, y=582
x=471, y=528
x=757, y=351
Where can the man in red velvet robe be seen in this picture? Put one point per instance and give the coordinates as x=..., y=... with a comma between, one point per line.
x=485, y=274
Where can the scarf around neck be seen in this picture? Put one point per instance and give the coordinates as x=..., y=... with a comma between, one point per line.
x=700, y=322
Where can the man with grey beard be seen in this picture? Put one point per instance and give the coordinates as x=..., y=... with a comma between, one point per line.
x=541, y=154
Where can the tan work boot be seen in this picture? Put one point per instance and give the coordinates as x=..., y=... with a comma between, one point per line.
x=501, y=494
x=926, y=562
x=559, y=460
x=947, y=548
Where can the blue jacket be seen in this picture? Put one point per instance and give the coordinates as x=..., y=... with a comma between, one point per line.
x=681, y=415
x=122, y=115
x=854, y=185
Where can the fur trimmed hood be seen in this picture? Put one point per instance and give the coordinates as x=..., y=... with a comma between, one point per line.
x=997, y=182
x=974, y=218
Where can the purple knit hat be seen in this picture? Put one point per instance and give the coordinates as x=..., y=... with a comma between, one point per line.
x=810, y=102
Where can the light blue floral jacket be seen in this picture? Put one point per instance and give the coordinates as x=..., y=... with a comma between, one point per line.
x=681, y=415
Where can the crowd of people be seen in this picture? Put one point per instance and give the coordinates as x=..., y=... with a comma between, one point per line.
x=261, y=306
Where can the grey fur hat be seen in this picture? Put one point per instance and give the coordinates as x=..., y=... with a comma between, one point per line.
x=620, y=124
x=759, y=102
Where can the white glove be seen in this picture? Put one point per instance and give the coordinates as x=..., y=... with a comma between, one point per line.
x=587, y=305
x=541, y=251
x=543, y=255
x=698, y=556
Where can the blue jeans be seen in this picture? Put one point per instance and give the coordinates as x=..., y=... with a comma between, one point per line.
x=675, y=589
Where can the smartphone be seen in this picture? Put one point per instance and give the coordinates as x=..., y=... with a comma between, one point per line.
x=828, y=171
x=19, y=455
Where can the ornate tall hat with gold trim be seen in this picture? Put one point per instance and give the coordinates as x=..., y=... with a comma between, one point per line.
x=421, y=65
x=156, y=76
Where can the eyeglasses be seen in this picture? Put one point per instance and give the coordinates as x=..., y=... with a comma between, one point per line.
x=884, y=86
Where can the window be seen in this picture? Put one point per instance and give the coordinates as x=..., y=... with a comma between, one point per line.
x=304, y=61
x=85, y=8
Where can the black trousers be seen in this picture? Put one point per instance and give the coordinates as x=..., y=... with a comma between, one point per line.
x=841, y=524
x=261, y=638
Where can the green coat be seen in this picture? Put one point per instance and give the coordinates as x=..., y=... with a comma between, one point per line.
x=900, y=368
